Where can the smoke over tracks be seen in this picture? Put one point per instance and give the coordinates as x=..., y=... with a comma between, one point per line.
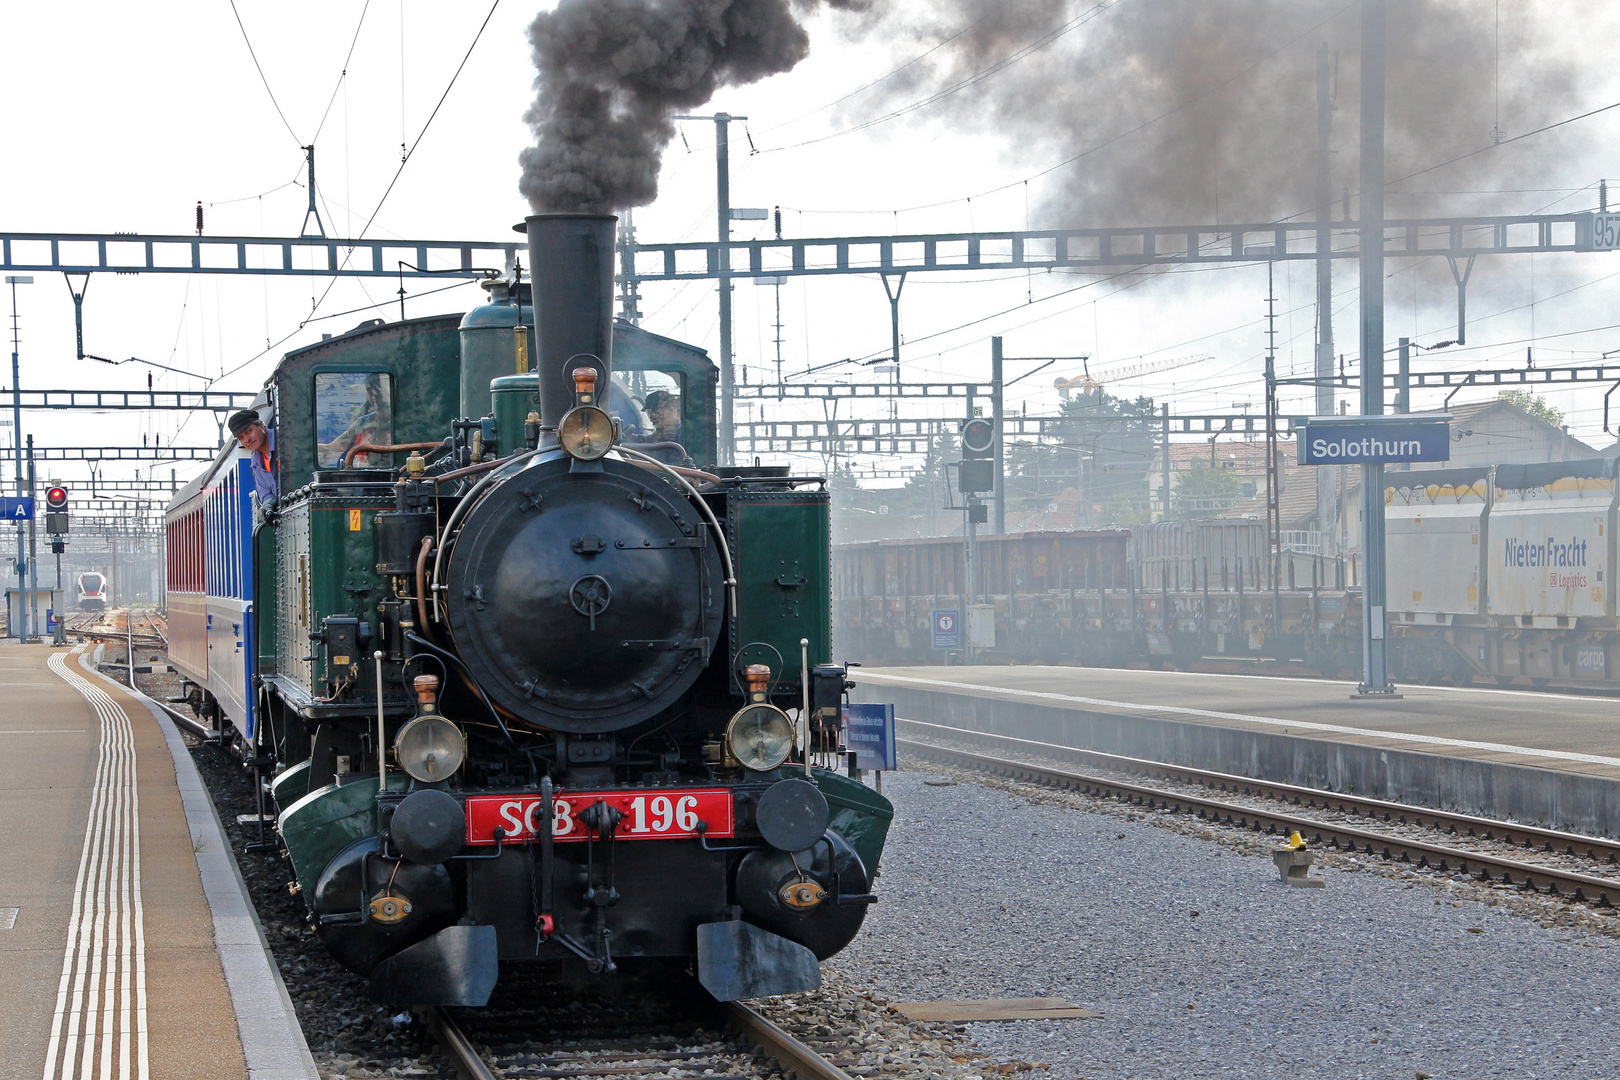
x=613, y=72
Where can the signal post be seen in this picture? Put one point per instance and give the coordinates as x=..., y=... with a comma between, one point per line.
x=975, y=476
x=56, y=526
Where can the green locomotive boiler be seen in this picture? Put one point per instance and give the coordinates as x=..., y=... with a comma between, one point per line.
x=539, y=682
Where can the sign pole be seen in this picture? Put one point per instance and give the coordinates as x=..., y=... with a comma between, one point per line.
x=970, y=564
x=21, y=629
x=33, y=551
x=1375, y=671
x=60, y=636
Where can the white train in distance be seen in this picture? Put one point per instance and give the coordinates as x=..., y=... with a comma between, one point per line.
x=92, y=591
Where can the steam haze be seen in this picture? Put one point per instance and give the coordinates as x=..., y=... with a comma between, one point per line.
x=1237, y=79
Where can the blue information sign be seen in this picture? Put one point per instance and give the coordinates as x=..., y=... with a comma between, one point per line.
x=947, y=630
x=17, y=507
x=1367, y=440
x=869, y=730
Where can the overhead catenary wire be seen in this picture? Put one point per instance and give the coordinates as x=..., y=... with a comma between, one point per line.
x=1180, y=107
x=1505, y=142
x=961, y=84
x=880, y=79
x=262, y=78
x=343, y=73
x=315, y=306
x=407, y=154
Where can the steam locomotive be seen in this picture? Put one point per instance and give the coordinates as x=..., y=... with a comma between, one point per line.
x=529, y=684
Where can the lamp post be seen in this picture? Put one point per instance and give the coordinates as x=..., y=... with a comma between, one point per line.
x=14, y=280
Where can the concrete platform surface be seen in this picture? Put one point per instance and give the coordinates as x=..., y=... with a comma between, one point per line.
x=113, y=955
x=1524, y=727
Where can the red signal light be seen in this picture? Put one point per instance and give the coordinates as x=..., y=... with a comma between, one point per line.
x=56, y=498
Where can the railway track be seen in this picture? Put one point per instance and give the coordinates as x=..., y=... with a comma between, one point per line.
x=687, y=1051
x=104, y=626
x=1484, y=866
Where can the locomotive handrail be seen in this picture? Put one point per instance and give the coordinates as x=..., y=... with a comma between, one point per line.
x=455, y=518
x=696, y=474
x=383, y=448
x=469, y=470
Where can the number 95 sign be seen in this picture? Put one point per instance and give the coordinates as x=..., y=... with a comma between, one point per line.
x=1605, y=232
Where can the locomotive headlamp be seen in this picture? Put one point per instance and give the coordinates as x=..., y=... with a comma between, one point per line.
x=430, y=748
x=586, y=432
x=761, y=737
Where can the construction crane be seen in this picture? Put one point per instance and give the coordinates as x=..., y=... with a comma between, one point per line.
x=1088, y=382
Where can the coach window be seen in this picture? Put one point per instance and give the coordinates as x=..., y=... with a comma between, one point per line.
x=352, y=408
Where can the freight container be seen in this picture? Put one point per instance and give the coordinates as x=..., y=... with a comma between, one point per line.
x=1549, y=551
x=1435, y=528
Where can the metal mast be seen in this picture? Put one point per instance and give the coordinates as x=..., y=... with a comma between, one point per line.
x=1375, y=672
x=1273, y=479
x=728, y=393
x=1327, y=507
x=14, y=280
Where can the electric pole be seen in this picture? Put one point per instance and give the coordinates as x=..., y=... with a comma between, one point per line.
x=33, y=549
x=1375, y=671
x=722, y=167
x=997, y=409
x=1327, y=508
x=629, y=295
x=14, y=280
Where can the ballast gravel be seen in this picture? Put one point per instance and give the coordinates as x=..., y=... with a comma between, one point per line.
x=1202, y=962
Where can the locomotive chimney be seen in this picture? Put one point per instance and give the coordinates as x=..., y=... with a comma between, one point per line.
x=571, y=264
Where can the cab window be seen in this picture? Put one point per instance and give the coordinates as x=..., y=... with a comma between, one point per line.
x=650, y=405
x=351, y=408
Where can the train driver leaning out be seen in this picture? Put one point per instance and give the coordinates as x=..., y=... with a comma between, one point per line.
x=258, y=441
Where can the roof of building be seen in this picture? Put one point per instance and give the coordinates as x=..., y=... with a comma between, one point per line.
x=1061, y=513
x=1247, y=457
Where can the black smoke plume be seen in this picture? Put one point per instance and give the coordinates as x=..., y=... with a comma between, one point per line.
x=613, y=72
x=1172, y=112
x=1189, y=111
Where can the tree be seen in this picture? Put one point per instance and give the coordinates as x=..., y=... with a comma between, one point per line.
x=1116, y=442
x=1533, y=405
x=926, y=486
x=1204, y=490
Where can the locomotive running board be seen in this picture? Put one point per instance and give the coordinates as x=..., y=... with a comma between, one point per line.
x=738, y=960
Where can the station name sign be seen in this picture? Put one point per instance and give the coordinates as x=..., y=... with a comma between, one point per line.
x=1369, y=440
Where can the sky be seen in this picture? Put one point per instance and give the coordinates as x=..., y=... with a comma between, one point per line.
x=116, y=118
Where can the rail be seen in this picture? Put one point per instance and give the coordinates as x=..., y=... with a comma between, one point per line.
x=780, y=1044
x=788, y=1051
x=455, y=1044
x=1485, y=867
x=1597, y=848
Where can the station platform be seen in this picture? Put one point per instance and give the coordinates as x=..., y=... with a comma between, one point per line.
x=1549, y=758
x=128, y=942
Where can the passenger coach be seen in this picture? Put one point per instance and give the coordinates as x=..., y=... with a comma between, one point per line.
x=209, y=529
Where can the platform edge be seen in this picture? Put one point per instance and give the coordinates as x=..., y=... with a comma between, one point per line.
x=273, y=1042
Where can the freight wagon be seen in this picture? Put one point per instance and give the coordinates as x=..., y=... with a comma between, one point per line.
x=1502, y=573
x=1167, y=594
